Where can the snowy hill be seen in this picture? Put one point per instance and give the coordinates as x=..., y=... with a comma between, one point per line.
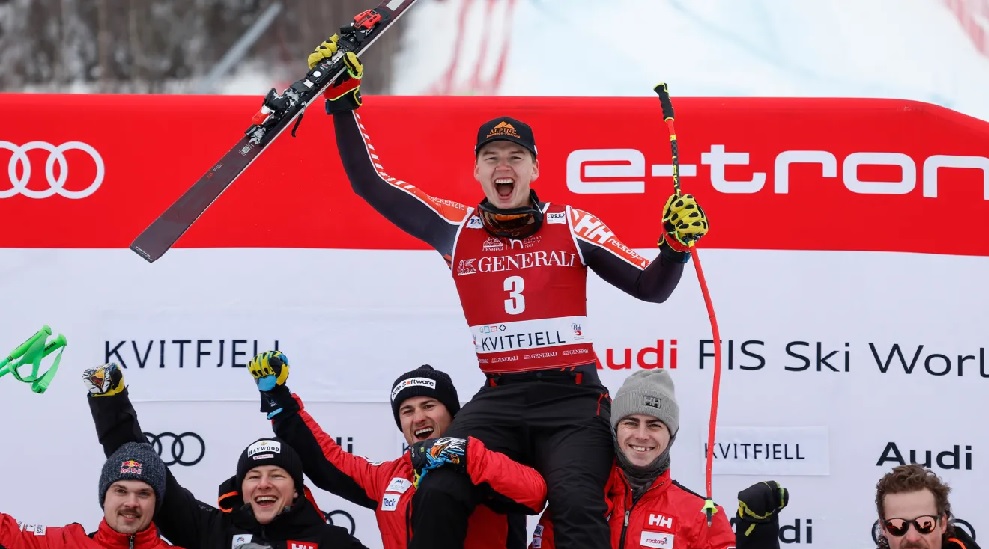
x=916, y=49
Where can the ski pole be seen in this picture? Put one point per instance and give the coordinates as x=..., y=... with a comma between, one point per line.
x=709, y=507
x=32, y=352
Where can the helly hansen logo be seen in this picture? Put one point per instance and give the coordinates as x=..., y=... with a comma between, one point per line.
x=651, y=401
x=301, y=545
x=590, y=227
x=661, y=521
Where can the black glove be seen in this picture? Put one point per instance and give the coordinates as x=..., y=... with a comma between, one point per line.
x=762, y=501
x=344, y=94
x=438, y=452
x=230, y=497
x=758, y=514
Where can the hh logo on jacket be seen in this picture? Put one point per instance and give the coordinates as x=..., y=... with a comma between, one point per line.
x=657, y=531
x=656, y=520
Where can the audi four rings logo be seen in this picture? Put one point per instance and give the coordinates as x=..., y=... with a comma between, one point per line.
x=183, y=449
x=19, y=169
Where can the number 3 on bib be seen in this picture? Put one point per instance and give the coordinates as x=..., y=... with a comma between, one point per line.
x=515, y=303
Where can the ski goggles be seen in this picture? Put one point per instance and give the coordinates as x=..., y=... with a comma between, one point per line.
x=924, y=524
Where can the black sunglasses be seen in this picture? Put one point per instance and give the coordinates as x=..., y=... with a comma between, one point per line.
x=924, y=524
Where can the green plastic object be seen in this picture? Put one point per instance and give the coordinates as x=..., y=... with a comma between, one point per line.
x=31, y=353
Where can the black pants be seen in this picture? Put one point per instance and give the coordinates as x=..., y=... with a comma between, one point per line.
x=557, y=422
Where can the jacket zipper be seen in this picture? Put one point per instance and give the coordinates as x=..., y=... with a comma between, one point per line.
x=628, y=512
x=621, y=542
x=130, y=541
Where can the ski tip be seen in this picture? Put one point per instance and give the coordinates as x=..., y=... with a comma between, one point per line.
x=150, y=258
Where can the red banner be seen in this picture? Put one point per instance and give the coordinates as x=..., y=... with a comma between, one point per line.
x=794, y=174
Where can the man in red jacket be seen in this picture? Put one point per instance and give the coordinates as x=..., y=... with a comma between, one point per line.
x=131, y=487
x=646, y=507
x=424, y=402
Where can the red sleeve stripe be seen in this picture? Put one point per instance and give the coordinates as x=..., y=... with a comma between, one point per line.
x=452, y=212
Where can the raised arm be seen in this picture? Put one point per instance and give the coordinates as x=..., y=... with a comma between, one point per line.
x=14, y=535
x=617, y=264
x=326, y=464
x=183, y=519
x=432, y=220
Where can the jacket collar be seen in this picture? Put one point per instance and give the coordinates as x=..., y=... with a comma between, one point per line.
x=661, y=483
x=108, y=537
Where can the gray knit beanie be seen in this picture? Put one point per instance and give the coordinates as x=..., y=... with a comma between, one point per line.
x=648, y=392
x=134, y=461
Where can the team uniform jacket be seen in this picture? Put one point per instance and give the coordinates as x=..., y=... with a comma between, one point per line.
x=387, y=487
x=14, y=535
x=525, y=301
x=192, y=524
x=666, y=515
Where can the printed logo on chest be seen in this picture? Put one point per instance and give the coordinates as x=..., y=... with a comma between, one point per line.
x=657, y=521
x=240, y=539
x=389, y=502
x=495, y=244
x=657, y=540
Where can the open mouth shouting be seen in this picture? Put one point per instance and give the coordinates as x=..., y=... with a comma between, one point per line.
x=504, y=187
x=422, y=433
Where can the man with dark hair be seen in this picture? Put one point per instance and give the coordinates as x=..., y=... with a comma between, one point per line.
x=274, y=511
x=424, y=403
x=646, y=506
x=914, y=511
x=131, y=489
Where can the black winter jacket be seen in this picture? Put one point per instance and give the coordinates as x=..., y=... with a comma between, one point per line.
x=192, y=524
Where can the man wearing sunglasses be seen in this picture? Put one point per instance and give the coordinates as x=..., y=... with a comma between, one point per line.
x=914, y=512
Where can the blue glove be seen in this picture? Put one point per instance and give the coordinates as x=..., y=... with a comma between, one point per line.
x=270, y=372
x=269, y=369
x=438, y=452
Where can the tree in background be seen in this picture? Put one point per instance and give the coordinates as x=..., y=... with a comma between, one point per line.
x=166, y=46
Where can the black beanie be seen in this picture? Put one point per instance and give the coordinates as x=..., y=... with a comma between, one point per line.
x=270, y=451
x=424, y=381
x=134, y=461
